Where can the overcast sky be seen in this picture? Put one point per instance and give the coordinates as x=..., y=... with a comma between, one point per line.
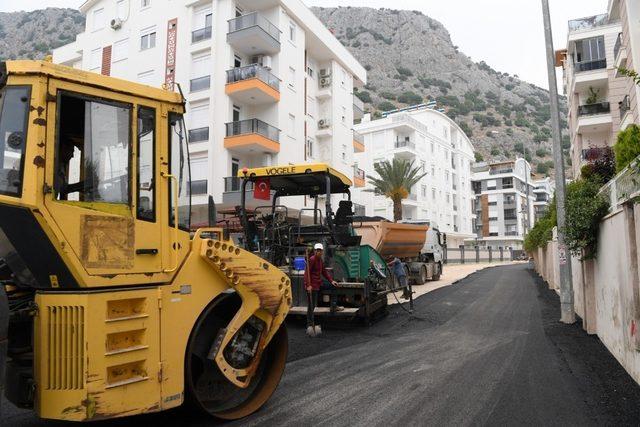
x=507, y=34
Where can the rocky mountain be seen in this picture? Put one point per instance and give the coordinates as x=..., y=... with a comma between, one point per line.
x=410, y=59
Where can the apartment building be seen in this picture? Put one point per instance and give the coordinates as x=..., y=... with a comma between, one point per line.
x=440, y=149
x=504, y=203
x=601, y=101
x=543, y=189
x=265, y=82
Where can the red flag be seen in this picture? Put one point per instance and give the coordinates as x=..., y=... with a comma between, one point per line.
x=262, y=189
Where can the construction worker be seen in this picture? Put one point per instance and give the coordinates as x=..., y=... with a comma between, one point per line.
x=314, y=272
x=399, y=271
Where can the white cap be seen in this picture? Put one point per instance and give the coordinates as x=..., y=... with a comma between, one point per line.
x=318, y=246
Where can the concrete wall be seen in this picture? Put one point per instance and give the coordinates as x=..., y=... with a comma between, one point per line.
x=607, y=289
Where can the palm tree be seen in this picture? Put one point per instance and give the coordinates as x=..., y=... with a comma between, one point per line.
x=395, y=181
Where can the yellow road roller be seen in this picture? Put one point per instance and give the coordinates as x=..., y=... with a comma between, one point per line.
x=110, y=305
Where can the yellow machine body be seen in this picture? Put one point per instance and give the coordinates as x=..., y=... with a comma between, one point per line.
x=119, y=286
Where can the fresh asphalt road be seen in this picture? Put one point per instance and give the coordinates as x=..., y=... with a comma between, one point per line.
x=485, y=351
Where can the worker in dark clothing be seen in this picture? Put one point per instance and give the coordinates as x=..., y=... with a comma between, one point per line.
x=399, y=271
x=314, y=272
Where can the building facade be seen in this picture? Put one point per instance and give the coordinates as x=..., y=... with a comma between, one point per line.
x=601, y=100
x=440, y=149
x=265, y=82
x=504, y=203
x=543, y=189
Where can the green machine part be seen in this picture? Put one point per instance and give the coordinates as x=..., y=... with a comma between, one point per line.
x=353, y=263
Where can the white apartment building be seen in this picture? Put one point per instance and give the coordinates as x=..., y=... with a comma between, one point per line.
x=504, y=203
x=543, y=189
x=265, y=82
x=592, y=86
x=440, y=148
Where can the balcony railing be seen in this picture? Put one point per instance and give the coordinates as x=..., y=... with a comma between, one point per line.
x=201, y=34
x=358, y=137
x=233, y=184
x=359, y=173
x=199, y=187
x=499, y=171
x=593, y=109
x=250, y=126
x=200, y=83
x=625, y=106
x=253, y=71
x=511, y=233
x=588, y=22
x=405, y=144
x=590, y=65
x=358, y=104
x=617, y=46
x=596, y=153
x=199, y=134
x=254, y=19
x=510, y=217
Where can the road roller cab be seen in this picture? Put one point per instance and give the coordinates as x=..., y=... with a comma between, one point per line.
x=115, y=307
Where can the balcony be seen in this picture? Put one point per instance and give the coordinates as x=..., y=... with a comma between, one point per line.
x=358, y=142
x=590, y=65
x=588, y=23
x=199, y=135
x=199, y=83
x=619, y=55
x=201, y=34
x=358, y=108
x=252, y=136
x=405, y=149
x=594, y=117
x=199, y=187
x=359, y=177
x=253, y=84
x=253, y=34
x=511, y=233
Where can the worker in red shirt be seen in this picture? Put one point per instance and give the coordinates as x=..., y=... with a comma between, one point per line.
x=314, y=272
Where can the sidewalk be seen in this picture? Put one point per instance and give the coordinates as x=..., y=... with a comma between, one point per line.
x=451, y=274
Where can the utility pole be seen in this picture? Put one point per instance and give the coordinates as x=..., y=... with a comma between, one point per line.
x=566, y=284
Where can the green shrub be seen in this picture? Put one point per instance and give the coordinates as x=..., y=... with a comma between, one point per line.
x=368, y=67
x=627, y=146
x=585, y=208
x=541, y=152
x=364, y=96
x=479, y=157
x=409, y=97
x=403, y=71
x=495, y=151
x=388, y=95
x=542, y=168
x=466, y=129
x=509, y=130
x=386, y=106
x=542, y=231
x=519, y=147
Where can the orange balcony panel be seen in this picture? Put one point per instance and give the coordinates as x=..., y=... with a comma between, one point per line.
x=358, y=182
x=358, y=146
x=252, y=91
x=251, y=143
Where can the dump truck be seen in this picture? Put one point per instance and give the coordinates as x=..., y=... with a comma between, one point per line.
x=109, y=305
x=418, y=246
x=282, y=235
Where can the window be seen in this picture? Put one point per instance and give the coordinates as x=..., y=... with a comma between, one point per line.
x=96, y=60
x=146, y=201
x=199, y=176
x=433, y=171
x=292, y=77
x=14, y=112
x=120, y=50
x=491, y=184
x=310, y=72
x=92, y=159
x=292, y=31
x=236, y=113
x=147, y=78
x=145, y=3
x=122, y=9
x=590, y=50
x=423, y=166
x=292, y=125
x=310, y=144
x=237, y=61
x=433, y=194
x=148, y=38
x=179, y=168
x=98, y=19
x=424, y=191
x=507, y=182
x=200, y=72
x=202, y=23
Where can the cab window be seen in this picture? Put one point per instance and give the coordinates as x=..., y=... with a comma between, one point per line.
x=146, y=164
x=93, y=150
x=14, y=111
x=179, y=168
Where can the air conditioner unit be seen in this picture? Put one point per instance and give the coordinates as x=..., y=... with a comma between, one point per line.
x=325, y=72
x=116, y=23
x=323, y=123
x=325, y=82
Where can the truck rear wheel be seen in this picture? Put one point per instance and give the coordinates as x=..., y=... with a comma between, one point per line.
x=209, y=391
x=424, y=275
x=438, y=272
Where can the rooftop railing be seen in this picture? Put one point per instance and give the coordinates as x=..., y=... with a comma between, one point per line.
x=589, y=22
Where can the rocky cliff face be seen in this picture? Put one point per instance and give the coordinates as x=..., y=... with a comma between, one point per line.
x=409, y=57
